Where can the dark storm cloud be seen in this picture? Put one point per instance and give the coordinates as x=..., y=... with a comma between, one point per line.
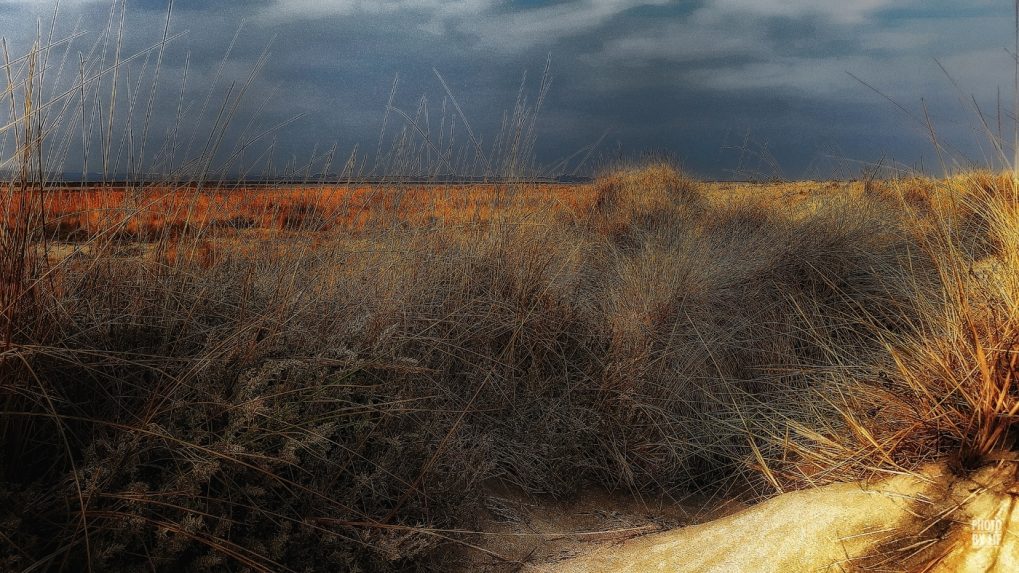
x=699, y=79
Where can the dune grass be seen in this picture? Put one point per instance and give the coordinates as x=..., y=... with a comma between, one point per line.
x=332, y=398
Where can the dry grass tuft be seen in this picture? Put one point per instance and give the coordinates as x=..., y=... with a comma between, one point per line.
x=945, y=386
x=644, y=198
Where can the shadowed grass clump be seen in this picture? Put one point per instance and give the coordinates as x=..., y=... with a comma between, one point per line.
x=721, y=326
x=945, y=387
x=321, y=400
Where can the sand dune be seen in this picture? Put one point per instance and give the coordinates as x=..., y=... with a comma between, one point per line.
x=910, y=523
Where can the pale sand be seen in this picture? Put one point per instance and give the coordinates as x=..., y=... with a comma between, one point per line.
x=909, y=523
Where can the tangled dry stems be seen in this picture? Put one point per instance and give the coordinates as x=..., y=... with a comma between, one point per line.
x=329, y=400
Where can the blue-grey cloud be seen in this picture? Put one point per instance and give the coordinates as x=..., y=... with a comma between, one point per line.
x=697, y=78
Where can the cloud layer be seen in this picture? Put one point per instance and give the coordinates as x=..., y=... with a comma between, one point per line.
x=698, y=78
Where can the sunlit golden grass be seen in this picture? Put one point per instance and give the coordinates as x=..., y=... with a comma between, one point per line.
x=945, y=386
x=212, y=392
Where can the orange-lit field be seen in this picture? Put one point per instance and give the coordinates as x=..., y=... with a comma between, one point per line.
x=150, y=212
x=372, y=359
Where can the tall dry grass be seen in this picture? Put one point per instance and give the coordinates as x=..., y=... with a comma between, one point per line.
x=943, y=388
x=325, y=399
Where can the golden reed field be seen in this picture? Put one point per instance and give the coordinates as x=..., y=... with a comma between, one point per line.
x=147, y=211
x=357, y=376
x=150, y=213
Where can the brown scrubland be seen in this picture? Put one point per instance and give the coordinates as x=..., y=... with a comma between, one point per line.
x=312, y=383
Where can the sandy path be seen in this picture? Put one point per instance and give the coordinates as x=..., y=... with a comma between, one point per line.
x=901, y=523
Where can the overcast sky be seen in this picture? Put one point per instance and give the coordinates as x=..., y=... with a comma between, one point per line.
x=729, y=87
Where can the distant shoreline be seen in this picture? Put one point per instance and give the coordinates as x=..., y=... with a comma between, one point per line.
x=72, y=182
